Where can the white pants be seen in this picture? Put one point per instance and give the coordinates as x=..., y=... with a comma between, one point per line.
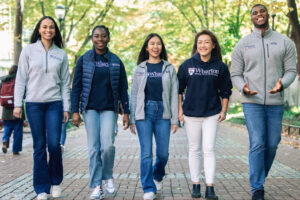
x=201, y=132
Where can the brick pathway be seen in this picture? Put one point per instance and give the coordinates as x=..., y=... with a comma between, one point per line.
x=231, y=175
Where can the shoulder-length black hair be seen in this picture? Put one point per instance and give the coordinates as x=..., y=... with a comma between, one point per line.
x=216, y=51
x=36, y=35
x=144, y=55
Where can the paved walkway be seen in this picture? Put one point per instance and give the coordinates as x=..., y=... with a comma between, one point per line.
x=231, y=174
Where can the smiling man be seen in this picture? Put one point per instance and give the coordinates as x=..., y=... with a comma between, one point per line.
x=263, y=65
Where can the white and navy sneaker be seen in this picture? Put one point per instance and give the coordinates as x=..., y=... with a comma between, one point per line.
x=97, y=193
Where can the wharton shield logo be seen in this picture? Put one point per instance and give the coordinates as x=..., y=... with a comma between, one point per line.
x=191, y=71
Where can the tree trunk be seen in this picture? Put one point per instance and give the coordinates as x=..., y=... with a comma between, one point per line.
x=18, y=32
x=295, y=34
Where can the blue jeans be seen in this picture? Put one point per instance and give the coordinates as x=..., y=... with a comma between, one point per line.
x=45, y=124
x=17, y=127
x=63, y=133
x=100, y=128
x=153, y=123
x=264, y=124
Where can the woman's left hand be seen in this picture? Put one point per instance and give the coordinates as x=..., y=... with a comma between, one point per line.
x=66, y=117
x=174, y=128
x=125, y=121
x=222, y=116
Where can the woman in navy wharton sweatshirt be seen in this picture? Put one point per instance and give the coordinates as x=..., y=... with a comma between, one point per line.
x=205, y=81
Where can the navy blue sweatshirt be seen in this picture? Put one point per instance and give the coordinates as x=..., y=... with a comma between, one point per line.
x=103, y=100
x=204, y=84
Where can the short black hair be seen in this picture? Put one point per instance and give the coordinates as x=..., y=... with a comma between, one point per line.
x=103, y=27
x=144, y=55
x=36, y=35
x=259, y=5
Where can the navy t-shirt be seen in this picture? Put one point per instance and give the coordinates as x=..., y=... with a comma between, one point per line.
x=101, y=95
x=153, y=89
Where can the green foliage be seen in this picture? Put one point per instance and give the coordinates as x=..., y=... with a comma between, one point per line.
x=235, y=108
x=291, y=115
x=237, y=120
x=130, y=22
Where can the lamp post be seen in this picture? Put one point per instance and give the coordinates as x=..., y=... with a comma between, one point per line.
x=273, y=20
x=60, y=12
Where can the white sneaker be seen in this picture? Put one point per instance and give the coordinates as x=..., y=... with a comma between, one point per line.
x=62, y=149
x=56, y=191
x=109, y=186
x=149, y=196
x=158, y=184
x=42, y=196
x=97, y=193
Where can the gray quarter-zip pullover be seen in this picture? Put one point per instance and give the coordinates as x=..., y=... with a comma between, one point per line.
x=44, y=75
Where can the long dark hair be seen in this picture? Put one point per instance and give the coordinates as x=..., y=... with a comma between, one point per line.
x=144, y=55
x=36, y=35
x=216, y=51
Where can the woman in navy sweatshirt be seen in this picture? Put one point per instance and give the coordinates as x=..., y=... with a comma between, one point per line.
x=205, y=81
x=99, y=82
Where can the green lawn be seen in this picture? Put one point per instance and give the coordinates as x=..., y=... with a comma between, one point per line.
x=235, y=115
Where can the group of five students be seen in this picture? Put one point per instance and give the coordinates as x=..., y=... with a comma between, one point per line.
x=99, y=84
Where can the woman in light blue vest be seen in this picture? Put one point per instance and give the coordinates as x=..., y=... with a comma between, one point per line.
x=99, y=82
x=154, y=110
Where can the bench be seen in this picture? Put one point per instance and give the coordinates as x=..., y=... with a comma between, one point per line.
x=291, y=126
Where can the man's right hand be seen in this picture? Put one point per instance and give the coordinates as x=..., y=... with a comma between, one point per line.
x=247, y=91
x=17, y=113
x=76, y=119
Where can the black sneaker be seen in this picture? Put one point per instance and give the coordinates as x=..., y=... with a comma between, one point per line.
x=5, y=146
x=210, y=193
x=196, y=191
x=258, y=195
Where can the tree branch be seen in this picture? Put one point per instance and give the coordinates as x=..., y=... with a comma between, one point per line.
x=42, y=7
x=100, y=17
x=198, y=16
x=194, y=30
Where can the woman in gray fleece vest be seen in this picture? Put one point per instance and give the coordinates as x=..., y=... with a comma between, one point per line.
x=154, y=109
